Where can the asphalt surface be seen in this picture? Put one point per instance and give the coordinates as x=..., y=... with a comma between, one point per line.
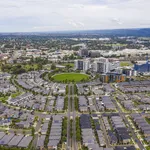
x=68, y=123
x=38, y=126
x=74, y=142
x=71, y=141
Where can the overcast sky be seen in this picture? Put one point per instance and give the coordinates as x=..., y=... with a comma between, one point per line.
x=60, y=15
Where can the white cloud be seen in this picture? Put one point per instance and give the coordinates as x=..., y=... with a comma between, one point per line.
x=76, y=24
x=116, y=20
x=51, y=15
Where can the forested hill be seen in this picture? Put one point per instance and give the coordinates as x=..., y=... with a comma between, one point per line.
x=143, y=32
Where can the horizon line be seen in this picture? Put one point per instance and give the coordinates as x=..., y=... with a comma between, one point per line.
x=58, y=31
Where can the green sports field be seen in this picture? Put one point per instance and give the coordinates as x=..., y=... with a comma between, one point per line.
x=125, y=63
x=76, y=77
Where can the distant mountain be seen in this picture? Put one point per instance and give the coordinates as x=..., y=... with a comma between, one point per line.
x=138, y=32
x=123, y=32
x=116, y=32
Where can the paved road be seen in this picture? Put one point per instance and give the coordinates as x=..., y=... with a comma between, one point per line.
x=68, y=124
x=74, y=142
x=38, y=126
x=17, y=86
x=140, y=145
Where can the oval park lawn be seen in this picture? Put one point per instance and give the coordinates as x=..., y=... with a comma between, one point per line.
x=76, y=77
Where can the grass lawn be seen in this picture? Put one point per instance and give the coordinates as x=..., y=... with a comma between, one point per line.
x=28, y=67
x=77, y=77
x=70, y=64
x=148, y=120
x=148, y=148
x=117, y=44
x=0, y=66
x=48, y=66
x=14, y=95
x=4, y=99
x=123, y=64
x=136, y=103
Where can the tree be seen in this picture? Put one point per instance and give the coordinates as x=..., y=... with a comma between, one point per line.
x=24, y=132
x=53, y=66
x=39, y=67
x=68, y=66
x=33, y=131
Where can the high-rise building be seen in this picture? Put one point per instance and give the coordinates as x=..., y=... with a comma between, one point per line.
x=113, y=65
x=104, y=65
x=94, y=54
x=86, y=65
x=82, y=65
x=83, y=52
x=101, y=65
x=78, y=64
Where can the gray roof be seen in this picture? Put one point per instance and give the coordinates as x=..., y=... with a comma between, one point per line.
x=94, y=147
x=56, y=127
x=53, y=143
x=55, y=133
x=2, y=135
x=57, y=137
x=40, y=142
x=25, y=141
x=5, y=140
x=15, y=140
x=45, y=126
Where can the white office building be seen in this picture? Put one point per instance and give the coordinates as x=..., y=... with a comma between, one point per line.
x=100, y=65
x=82, y=65
x=86, y=65
x=79, y=64
x=113, y=65
x=104, y=65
